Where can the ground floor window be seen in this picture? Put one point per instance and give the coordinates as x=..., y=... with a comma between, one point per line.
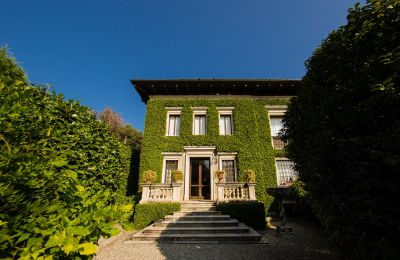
x=285, y=172
x=170, y=165
x=229, y=167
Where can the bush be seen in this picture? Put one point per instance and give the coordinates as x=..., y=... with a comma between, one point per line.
x=149, y=176
x=250, y=175
x=343, y=131
x=62, y=174
x=251, y=213
x=177, y=176
x=147, y=213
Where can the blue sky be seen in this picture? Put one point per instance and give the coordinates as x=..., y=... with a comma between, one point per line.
x=89, y=50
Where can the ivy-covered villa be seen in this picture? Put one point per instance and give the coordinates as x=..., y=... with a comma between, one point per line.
x=205, y=139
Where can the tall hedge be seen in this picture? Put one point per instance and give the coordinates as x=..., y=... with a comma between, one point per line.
x=251, y=138
x=62, y=173
x=344, y=131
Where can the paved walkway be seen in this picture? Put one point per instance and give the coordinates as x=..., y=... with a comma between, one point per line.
x=306, y=242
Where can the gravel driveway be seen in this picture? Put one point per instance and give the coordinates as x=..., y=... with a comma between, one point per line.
x=305, y=242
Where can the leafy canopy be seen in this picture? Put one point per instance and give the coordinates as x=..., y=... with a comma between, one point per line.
x=62, y=173
x=343, y=131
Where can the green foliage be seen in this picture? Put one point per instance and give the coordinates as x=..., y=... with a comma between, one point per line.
x=251, y=138
x=147, y=213
x=251, y=213
x=343, y=131
x=62, y=174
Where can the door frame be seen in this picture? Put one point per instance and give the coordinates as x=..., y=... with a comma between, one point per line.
x=199, y=177
x=206, y=152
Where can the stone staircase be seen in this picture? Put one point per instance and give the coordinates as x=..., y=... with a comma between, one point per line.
x=198, y=222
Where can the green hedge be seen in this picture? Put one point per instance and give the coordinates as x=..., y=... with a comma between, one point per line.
x=62, y=173
x=251, y=138
x=343, y=132
x=147, y=213
x=250, y=213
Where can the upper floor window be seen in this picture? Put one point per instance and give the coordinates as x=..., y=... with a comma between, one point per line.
x=173, y=121
x=199, y=120
x=225, y=120
x=276, y=125
x=275, y=114
x=285, y=172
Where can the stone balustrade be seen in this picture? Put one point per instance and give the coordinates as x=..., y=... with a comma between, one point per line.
x=160, y=192
x=236, y=191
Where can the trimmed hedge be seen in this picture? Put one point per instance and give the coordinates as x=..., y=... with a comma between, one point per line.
x=251, y=138
x=251, y=213
x=148, y=213
x=343, y=132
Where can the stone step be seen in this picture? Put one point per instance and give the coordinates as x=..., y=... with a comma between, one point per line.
x=198, y=208
x=194, y=213
x=197, y=230
x=197, y=217
x=250, y=237
x=196, y=223
x=183, y=204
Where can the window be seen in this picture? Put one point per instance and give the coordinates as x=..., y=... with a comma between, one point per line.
x=199, y=120
x=225, y=124
x=174, y=123
x=285, y=172
x=170, y=165
x=229, y=167
x=276, y=125
x=225, y=120
x=275, y=121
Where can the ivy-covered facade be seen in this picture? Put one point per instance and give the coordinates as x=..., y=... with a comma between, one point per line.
x=201, y=127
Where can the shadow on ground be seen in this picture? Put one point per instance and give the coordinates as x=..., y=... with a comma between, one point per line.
x=307, y=241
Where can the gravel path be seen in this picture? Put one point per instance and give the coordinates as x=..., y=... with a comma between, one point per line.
x=305, y=242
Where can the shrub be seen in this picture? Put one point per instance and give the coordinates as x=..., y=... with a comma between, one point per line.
x=147, y=213
x=62, y=174
x=250, y=175
x=343, y=131
x=220, y=174
x=149, y=176
x=251, y=213
x=177, y=175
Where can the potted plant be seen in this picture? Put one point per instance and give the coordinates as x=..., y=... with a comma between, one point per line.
x=250, y=175
x=149, y=176
x=220, y=175
x=177, y=176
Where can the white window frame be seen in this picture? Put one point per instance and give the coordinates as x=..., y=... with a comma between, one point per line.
x=225, y=111
x=227, y=156
x=171, y=157
x=276, y=168
x=274, y=111
x=172, y=111
x=199, y=111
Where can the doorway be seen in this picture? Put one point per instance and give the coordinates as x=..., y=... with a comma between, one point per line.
x=200, y=178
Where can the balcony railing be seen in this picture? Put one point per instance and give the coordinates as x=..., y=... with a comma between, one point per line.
x=160, y=192
x=236, y=191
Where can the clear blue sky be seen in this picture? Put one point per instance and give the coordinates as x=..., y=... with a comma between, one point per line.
x=89, y=50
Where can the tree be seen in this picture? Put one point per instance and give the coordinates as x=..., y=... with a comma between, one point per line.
x=343, y=131
x=124, y=132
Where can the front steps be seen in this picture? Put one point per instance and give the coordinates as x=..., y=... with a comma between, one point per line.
x=198, y=221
